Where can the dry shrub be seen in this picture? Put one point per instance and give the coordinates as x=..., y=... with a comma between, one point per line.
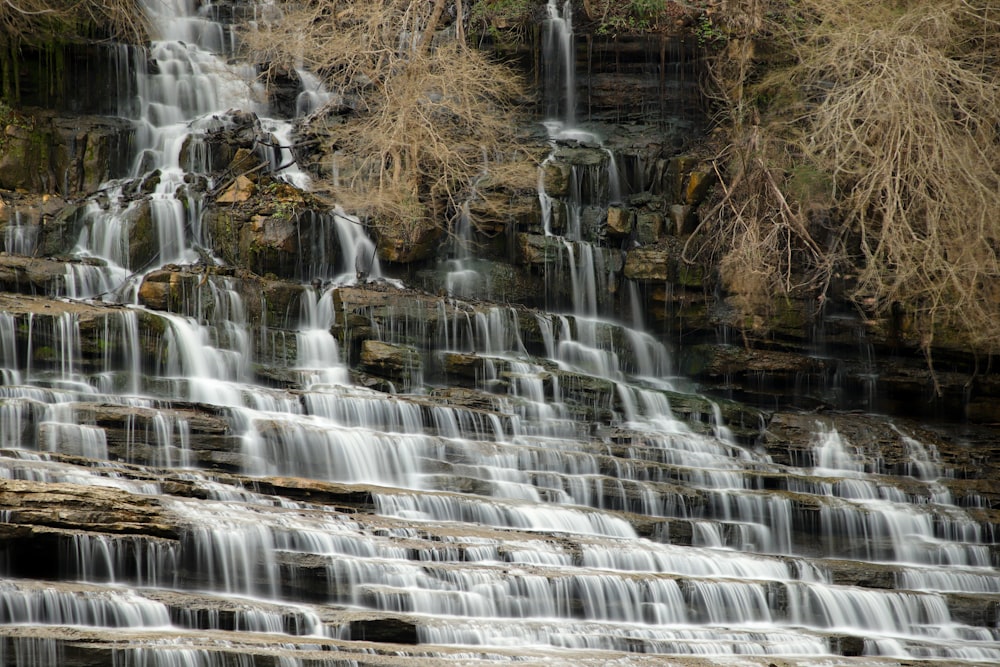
x=896, y=106
x=757, y=233
x=42, y=21
x=757, y=236
x=430, y=115
x=47, y=24
x=907, y=125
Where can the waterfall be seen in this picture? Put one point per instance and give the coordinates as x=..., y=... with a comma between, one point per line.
x=560, y=65
x=329, y=469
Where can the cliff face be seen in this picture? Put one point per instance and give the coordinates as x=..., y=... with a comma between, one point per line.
x=637, y=196
x=236, y=428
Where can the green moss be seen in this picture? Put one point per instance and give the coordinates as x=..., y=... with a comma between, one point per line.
x=690, y=275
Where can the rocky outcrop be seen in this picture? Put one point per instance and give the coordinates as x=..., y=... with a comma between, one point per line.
x=50, y=153
x=408, y=241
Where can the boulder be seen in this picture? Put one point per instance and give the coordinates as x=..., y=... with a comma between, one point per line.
x=648, y=264
x=649, y=227
x=620, y=221
x=239, y=191
x=279, y=231
x=555, y=178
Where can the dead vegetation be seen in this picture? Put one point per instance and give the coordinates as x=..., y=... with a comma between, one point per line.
x=417, y=114
x=871, y=156
x=47, y=25
x=41, y=21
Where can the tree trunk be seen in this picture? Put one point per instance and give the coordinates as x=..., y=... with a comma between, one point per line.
x=432, y=23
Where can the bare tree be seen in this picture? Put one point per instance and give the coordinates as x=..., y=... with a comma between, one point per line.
x=871, y=151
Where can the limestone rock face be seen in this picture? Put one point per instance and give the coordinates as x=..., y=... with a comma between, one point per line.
x=280, y=232
x=649, y=264
x=143, y=241
x=45, y=152
x=620, y=221
x=25, y=275
x=405, y=242
x=649, y=227
x=84, y=508
x=396, y=362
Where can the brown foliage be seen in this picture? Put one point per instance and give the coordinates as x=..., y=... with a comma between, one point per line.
x=432, y=112
x=891, y=112
x=39, y=21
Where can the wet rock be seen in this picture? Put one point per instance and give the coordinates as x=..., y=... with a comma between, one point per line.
x=98, y=330
x=385, y=630
x=848, y=646
x=25, y=275
x=649, y=227
x=620, y=221
x=166, y=290
x=396, y=362
x=699, y=181
x=648, y=264
x=863, y=574
x=975, y=610
x=46, y=152
x=162, y=436
x=204, y=293
x=226, y=142
x=283, y=87
x=408, y=241
x=59, y=232
x=581, y=156
x=143, y=235
x=771, y=370
x=329, y=494
x=21, y=218
x=497, y=210
x=538, y=250
x=682, y=219
x=468, y=367
x=675, y=178
x=555, y=178
x=282, y=232
x=241, y=189
x=83, y=508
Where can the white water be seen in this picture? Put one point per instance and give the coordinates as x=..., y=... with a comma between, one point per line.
x=498, y=528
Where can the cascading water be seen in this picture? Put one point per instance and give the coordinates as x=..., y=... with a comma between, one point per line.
x=230, y=492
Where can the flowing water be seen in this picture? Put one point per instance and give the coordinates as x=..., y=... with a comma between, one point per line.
x=562, y=502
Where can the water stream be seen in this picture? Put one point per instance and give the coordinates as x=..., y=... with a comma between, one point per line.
x=560, y=503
